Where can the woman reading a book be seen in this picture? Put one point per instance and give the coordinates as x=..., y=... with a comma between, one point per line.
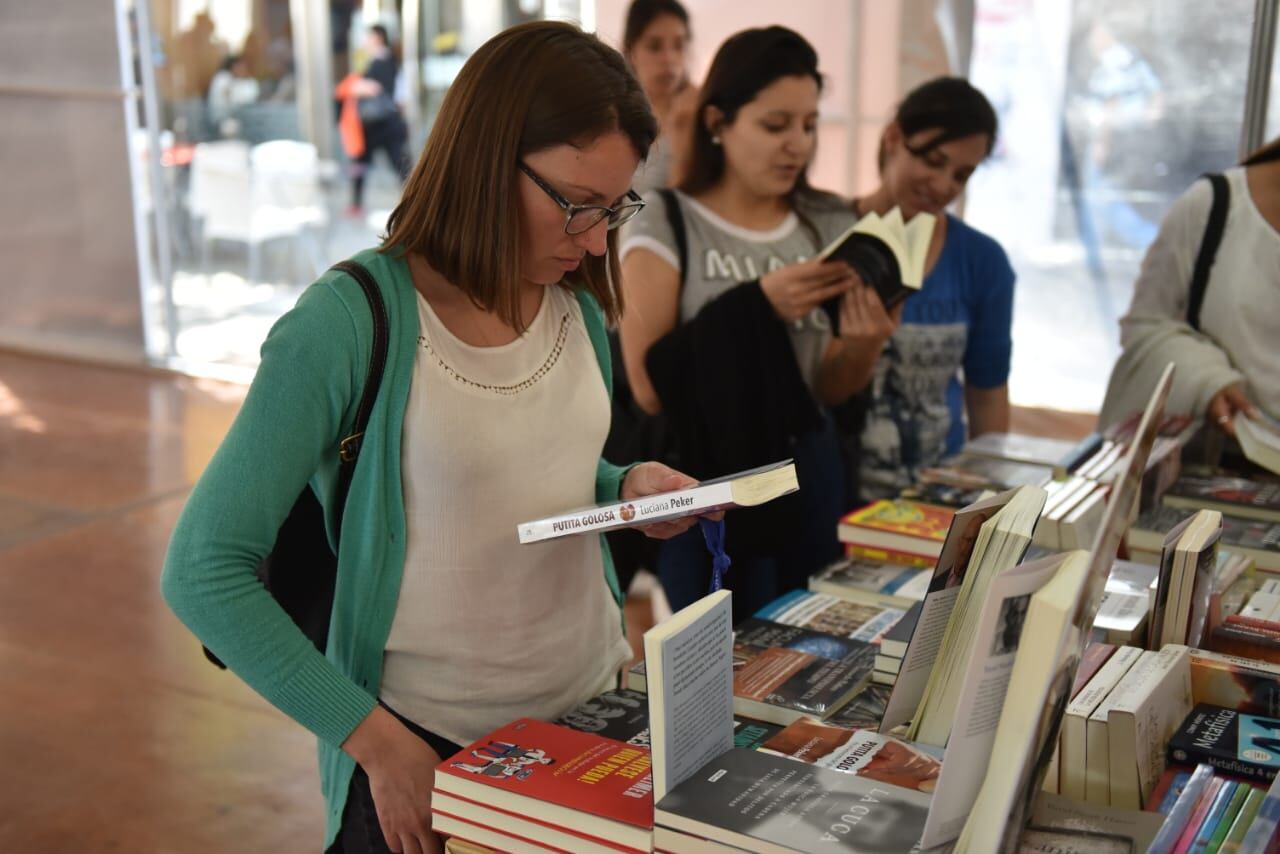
x=497, y=275
x=724, y=333
x=1225, y=350
x=959, y=323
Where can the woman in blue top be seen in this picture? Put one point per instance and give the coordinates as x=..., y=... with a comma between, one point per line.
x=950, y=356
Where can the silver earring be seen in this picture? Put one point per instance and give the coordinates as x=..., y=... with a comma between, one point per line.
x=715, y=140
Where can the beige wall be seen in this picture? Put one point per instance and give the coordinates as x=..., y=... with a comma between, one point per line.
x=70, y=282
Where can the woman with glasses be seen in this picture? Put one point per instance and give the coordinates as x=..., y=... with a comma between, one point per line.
x=498, y=279
x=725, y=334
x=950, y=357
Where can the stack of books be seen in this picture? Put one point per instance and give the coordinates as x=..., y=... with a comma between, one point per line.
x=873, y=582
x=896, y=531
x=893, y=647
x=534, y=785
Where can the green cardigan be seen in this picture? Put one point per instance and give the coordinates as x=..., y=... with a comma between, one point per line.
x=301, y=403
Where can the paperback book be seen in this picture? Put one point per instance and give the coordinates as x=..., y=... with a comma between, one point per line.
x=744, y=489
x=1235, y=743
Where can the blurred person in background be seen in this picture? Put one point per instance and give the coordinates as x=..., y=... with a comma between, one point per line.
x=950, y=356
x=1227, y=348
x=383, y=125
x=723, y=332
x=656, y=44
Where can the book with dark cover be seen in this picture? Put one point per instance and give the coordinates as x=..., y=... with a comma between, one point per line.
x=749, y=733
x=778, y=684
x=865, y=710
x=759, y=632
x=895, y=641
x=1248, y=499
x=745, y=798
x=1234, y=743
x=622, y=715
x=1259, y=540
x=970, y=471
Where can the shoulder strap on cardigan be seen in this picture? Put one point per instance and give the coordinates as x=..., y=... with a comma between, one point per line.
x=1208, y=247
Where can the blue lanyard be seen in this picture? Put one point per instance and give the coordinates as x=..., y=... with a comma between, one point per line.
x=713, y=533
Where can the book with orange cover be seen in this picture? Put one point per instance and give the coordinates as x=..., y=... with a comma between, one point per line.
x=898, y=525
x=890, y=556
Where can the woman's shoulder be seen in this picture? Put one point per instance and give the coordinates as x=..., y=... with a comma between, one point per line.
x=975, y=246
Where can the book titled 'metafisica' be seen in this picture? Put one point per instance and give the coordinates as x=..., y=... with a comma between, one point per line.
x=1233, y=742
x=744, y=489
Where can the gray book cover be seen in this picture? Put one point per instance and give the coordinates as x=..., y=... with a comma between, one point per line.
x=745, y=795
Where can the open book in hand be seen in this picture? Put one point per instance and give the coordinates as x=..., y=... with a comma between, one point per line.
x=886, y=252
x=744, y=489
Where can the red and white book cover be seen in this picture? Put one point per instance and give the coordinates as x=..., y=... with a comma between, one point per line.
x=548, y=769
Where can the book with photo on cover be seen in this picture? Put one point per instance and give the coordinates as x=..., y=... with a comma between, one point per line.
x=744, y=489
x=761, y=802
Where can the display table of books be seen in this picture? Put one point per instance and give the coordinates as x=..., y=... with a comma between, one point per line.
x=1004, y=661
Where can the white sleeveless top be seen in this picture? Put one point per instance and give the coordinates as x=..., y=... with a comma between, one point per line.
x=487, y=630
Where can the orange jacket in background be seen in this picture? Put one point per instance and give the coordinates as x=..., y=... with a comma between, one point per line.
x=349, y=127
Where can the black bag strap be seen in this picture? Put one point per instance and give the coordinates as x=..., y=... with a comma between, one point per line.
x=349, y=448
x=1208, y=246
x=675, y=218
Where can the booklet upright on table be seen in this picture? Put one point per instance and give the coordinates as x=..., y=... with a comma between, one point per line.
x=744, y=489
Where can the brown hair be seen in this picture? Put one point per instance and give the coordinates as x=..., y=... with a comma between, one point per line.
x=529, y=88
x=1267, y=153
x=745, y=64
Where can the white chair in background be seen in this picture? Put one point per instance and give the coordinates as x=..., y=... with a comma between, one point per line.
x=287, y=196
x=254, y=194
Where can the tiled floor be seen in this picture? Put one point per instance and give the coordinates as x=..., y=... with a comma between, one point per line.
x=115, y=734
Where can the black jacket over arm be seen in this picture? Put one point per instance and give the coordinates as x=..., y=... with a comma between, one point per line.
x=732, y=391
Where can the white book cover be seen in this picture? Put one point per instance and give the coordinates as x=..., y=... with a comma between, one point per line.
x=689, y=670
x=744, y=489
x=1038, y=691
x=982, y=697
x=1002, y=542
x=1098, y=743
x=935, y=611
x=1148, y=709
x=1073, y=758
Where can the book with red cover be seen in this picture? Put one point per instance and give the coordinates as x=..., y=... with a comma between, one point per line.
x=898, y=525
x=588, y=783
x=1095, y=655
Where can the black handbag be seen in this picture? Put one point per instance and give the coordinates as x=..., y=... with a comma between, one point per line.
x=376, y=108
x=301, y=571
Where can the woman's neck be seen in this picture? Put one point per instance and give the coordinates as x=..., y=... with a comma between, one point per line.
x=733, y=201
x=467, y=321
x=1263, y=181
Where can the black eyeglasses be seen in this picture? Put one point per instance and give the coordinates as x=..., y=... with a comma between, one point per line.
x=580, y=218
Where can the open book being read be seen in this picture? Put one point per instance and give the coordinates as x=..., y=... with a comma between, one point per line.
x=886, y=252
x=744, y=489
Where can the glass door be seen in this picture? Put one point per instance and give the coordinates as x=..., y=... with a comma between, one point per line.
x=1108, y=112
